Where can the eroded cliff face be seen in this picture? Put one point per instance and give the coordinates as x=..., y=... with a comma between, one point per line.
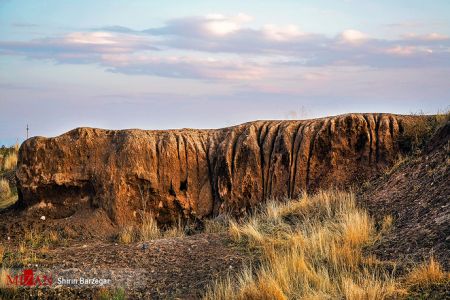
x=198, y=173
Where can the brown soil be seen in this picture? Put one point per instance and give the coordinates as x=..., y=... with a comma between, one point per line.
x=169, y=268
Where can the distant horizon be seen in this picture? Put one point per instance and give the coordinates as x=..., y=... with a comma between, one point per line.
x=202, y=64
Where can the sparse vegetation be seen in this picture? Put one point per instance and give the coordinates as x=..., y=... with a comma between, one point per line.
x=148, y=230
x=28, y=249
x=8, y=162
x=108, y=294
x=9, y=156
x=5, y=190
x=415, y=135
x=314, y=248
x=218, y=224
x=427, y=273
x=311, y=248
x=7, y=197
x=126, y=234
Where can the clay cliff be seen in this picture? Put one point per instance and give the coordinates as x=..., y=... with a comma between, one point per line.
x=193, y=174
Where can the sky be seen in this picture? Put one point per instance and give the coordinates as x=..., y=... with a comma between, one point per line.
x=210, y=64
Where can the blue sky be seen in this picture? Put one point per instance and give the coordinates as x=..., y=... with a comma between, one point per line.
x=209, y=64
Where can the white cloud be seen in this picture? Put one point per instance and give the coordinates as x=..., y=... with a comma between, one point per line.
x=353, y=36
x=427, y=37
x=221, y=25
x=281, y=33
x=95, y=38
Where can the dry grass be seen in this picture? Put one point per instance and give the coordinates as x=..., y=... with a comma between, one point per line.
x=427, y=273
x=2, y=253
x=4, y=272
x=126, y=235
x=416, y=134
x=10, y=161
x=7, y=198
x=148, y=230
x=312, y=248
x=27, y=250
x=386, y=224
x=110, y=294
x=218, y=224
x=5, y=190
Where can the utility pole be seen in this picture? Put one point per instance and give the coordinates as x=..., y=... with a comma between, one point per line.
x=27, y=131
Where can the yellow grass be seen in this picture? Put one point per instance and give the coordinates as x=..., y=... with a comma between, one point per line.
x=3, y=277
x=148, y=230
x=312, y=248
x=5, y=190
x=2, y=253
x=427, y=273
x=219, y=224
x=6, y=196
x=126, y=235
x=10, y=161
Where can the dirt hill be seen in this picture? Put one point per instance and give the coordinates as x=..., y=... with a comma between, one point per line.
x=197, y=173
x=416, y=194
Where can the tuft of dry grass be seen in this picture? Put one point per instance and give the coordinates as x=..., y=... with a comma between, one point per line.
x=2, y=253
x=148, y=230
x=110, y=294
x=126, y=235
x=312, y=248
x=218, y=224
x=7, y=198
x=5, y=190
x=10, y=161
x=387, y=223
x=4, y=272
x=427, y=273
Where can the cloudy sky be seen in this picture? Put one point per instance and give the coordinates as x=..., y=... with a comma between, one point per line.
x=208, y=64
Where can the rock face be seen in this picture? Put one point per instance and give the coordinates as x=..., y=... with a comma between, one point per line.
x=198, y=173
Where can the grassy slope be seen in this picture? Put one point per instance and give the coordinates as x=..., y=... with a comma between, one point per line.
x=312, y=248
